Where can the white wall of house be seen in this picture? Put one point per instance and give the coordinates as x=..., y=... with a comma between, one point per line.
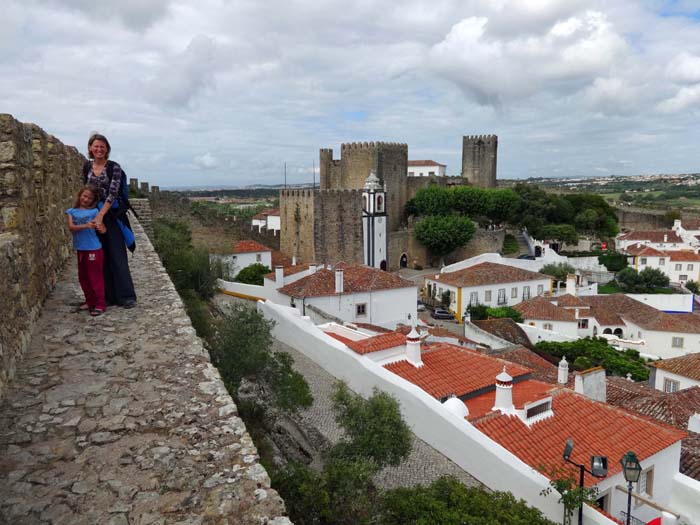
x=493, y=295
x=257, y=223
x=236, y=262
x=664, y=345
x=679, y=382
x=676, y=302
x=456, y=438
x=268, y=291
x=425, y=171
x=539, y=330
x=273, y=223
x=622, y=244
x=384, y=307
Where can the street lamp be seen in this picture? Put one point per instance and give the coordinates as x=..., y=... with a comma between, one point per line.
x=631, y=469
x=599, y=469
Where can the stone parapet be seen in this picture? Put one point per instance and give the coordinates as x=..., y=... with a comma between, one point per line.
x=39, y=178
x=123, y=419
x=143, y=208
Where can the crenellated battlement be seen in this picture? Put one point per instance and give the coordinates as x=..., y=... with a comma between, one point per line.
x=373, y=145
x=297, y=193
x=484, y=138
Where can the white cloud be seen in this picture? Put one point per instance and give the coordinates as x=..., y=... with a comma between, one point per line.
x=685, y=68
x=206, y=161
x=686, y=98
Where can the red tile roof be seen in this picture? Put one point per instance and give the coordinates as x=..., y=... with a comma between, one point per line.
x=568, y=300
x=424, y=163
x=684, y=256
x=249, y=246
x=686, y=366
x=523, y=392
x=488, y=273
x=542, y=309
x=648, y=251
x=356, y=279
x=542, y=369
x=288, y=270
x=690, y=224
x=596, y=428
x=449, y=369
x=437, y=331
x=656, y=236
x=377, y=343
x=506, y=329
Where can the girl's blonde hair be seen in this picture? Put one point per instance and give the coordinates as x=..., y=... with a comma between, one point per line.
x=95, y=195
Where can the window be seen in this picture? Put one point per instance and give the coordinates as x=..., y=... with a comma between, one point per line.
x=643, y=261
x=487, y=296
x=380, y=203
x=233, y=259
x=361, y=310
x=431, y=173
x=677, y=342
x=473, y=297
x=683, y=278
x=411, y=173
x=662, y=261
x=646, y=482
x=548, y=326
x=671, y=386
x=583, y=324
x=689, y=267
x=526, y=293
x=514, y=293
x=679, y=267
x=258, y=257
x=501, y=296
x=540, y=289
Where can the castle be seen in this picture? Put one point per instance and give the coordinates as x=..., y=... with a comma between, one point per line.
x=326, y=225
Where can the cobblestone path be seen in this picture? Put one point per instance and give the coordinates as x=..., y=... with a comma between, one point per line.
x=121, y=419
x=423, y=465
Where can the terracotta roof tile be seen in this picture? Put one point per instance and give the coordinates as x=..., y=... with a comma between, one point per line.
x=656, y=236
x=438, y=331
x=542, y=369
x=249, y=246
x=505, y=328
x=488, y=273
x=541, y=308
x=356, y=279
x=686, y=366
x=523, y=392
x=568, y=300
x=377, y=343
x=288, y=270
x=449, y=369
x=684, y=256
x=424, y=163
x=596, y=428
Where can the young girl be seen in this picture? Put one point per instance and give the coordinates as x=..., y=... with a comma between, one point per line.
x=81, y=222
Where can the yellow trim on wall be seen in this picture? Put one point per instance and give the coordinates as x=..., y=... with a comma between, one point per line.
x=459, y=305
x=241, y=295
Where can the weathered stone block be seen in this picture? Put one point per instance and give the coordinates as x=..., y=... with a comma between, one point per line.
x=8, y=151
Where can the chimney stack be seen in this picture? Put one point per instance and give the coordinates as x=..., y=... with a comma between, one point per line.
x=571, y=284
x=694, y=423
x=504, y=393
x=294, y=260
x=279, y=275
x=563, y=372
x=413, y=348
x=312, y=268
x=591, y=383
x=339, y=281
x=665, y=237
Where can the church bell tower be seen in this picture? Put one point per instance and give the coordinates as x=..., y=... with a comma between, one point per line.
x=374, y=221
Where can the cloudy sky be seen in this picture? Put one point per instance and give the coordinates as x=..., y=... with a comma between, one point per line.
x=224, y=92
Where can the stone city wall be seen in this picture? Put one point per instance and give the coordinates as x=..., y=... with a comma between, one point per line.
x=297, y=224
x=39, y=178
x=339, y=236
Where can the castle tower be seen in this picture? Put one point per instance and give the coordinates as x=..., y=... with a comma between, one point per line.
x=479, y=154
x=374, y=222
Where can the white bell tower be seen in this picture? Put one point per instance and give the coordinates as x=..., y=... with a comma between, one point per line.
x=374, y=222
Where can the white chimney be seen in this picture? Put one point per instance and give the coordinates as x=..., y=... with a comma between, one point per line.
x=571, y=284
x=413, y=348
x=665, y=237
x=339, y=281
x=294, y=260
x=694, y=423
x=312, y=268
x=279, y=275
x=676, y=224
x=591, y=383
x=504, y=393
x=563, y=371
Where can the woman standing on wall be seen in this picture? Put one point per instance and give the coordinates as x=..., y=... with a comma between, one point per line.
x=106, y=176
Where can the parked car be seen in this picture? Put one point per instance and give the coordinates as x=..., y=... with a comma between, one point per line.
x=441, y=313
x=420, y=307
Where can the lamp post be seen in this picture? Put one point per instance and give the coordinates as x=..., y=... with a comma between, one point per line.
x=631, y=469
x=599, y=469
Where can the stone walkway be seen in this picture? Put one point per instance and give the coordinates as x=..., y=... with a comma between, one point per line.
x=121, y=419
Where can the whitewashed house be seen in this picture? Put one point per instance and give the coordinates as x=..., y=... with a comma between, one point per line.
x=487, y=283
x=244, y=254
x=425, y=168
x=355, y=293
x=267, y=220
x=677, y=373
x=688, y=230
x=493, y=420
x=680, y=266
x=663, y=240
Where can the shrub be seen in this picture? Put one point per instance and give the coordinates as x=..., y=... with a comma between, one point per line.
x=510, y=244
x=253, y=274
x=693, y=286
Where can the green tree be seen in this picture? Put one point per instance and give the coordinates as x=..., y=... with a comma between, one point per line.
x=572, y=496
x=503, y=312
x=693, y=286
x=653, y=278
x=375, y=429
x=478, y=312
x=558, y=232
x=433, y=200
x=629, y=280
x=649, y=280
x=243, y=348
x=559, y=270
x=444, y=234
x=253, y=274
x=471, y=201
x=614, y=262
x=502, y=205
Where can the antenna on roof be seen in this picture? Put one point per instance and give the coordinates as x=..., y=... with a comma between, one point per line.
x=313, y=174
x=285, y=174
